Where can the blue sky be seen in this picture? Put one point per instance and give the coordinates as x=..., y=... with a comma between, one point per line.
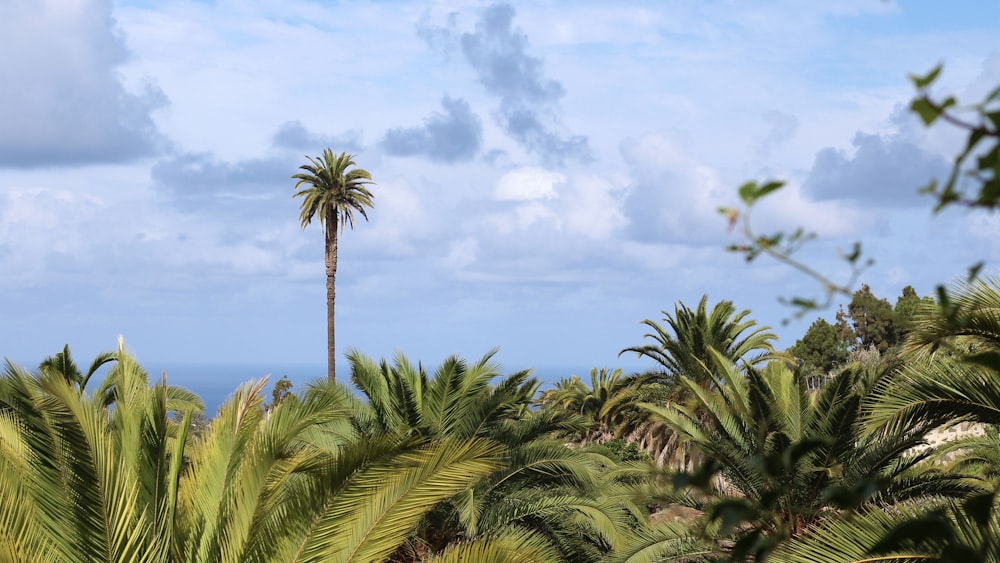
x=547, y=173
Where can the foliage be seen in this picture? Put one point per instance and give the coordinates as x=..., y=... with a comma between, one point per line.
x=282, y=389
x=950, y=532
x=975, y=454
x=951, y=375
x=873, y=320
x=626, y=451
x=786, y=460
x=683, y=347
x=906, y=308
x=63, y=365
x=554, y=492
x=335, y=191
x=982, y=123
x=820, y=349
x=609, y=405
x=84, y=482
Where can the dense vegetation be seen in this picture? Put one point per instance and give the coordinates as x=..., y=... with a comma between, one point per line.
x=730, y=450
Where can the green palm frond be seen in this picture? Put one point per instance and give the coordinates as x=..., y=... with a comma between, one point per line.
x=852, y=539
x=682, y=347
x=661, y=542
x=335, y=191
x=953, y=532
x=970, y=316
x=514, y=546
x=938, y=391
x=365, y=508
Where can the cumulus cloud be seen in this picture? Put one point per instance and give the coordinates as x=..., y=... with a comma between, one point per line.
x=449, y=137
x=64, y=102
x=497, y=51
x=294, y=135
x=553, y=205
x=674, y=196
x=525, y=184
x=884, y=169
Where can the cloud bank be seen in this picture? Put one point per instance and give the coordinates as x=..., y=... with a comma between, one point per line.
x=64, y=102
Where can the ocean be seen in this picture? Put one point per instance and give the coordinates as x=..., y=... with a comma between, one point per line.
x=215, y=382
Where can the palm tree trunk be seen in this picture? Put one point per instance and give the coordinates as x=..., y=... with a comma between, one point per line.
x=331, y=293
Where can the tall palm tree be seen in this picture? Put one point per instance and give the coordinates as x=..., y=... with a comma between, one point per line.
x=334, y=192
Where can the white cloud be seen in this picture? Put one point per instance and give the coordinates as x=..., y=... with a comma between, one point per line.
x=528, y=183
x=674, y=197
x=593, y=207
x=401, y=223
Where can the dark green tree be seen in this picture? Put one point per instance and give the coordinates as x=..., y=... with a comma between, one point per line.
x=821, y=349
x=873, y=320
x=282, y=389
x=907, y=305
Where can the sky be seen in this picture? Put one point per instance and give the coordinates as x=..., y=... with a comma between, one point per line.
x=547, y=174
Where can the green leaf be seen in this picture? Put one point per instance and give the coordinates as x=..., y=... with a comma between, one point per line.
x=772, y=186
x=995, y=94
x=922, y=82
x=994, y=117
x=732, y=512
x=854, y=254
x=748, y=192
x=926, y=110
x=979, y=508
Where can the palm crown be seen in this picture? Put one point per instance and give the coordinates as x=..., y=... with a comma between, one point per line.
x=334, y=192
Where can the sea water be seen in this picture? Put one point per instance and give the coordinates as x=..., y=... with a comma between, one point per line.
x=215, y=382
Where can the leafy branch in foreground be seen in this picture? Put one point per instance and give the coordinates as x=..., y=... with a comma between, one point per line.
x=982, y=123
x=978, y=164
x=783, y=246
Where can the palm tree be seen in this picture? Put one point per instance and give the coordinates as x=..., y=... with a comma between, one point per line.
x=62, y=364
x=333, y=194
x=788, y=458
x=953, y=361
x=83, y=482
x=610, y=404
x=683, y=347
x=603, y=403
x=553, y=493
